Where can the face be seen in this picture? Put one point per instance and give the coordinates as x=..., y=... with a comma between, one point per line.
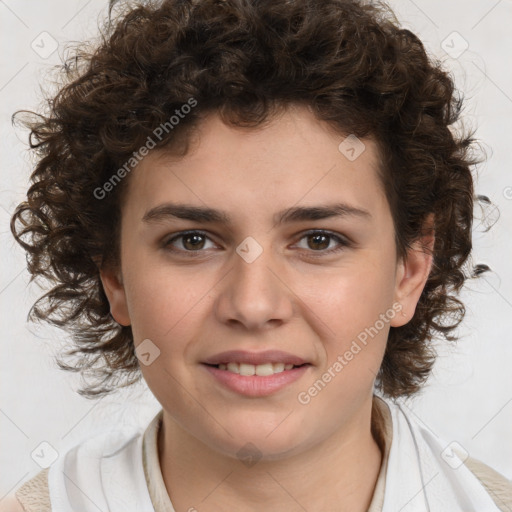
x=246, y=265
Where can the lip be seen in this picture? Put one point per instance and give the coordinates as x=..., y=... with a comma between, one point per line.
x=255, y=358
x=255, y=386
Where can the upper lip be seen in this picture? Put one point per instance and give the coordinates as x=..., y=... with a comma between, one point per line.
x=255, y=358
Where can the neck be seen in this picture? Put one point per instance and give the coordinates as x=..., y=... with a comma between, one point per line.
x=337, y=474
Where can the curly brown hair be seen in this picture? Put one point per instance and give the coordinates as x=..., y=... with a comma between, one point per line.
x=348, y=60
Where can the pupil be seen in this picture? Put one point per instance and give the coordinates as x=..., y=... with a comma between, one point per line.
x=197, y=238
x=325, y=243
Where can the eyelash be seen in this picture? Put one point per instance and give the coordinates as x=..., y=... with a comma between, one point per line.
x=342, y=242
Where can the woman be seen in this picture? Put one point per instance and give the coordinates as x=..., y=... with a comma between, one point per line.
x=261, y=209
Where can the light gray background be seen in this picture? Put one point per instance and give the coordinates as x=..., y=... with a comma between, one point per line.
x=469, y=397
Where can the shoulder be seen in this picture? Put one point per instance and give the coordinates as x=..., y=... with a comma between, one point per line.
x=495, y=484
x=32, y=496
x=11, y=504
x=498, y=487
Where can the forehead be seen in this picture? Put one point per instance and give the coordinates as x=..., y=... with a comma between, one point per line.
x=292, y=159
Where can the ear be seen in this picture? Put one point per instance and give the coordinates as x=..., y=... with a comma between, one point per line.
x=114, y=290
x=412, y=273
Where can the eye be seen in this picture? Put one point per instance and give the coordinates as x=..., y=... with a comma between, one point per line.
x=190, y=241
x=319, y=241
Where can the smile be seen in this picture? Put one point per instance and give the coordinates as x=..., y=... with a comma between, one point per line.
x=248, y=370
x=255, y=380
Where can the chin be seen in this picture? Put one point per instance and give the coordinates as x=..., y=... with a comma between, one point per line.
x=260, y=440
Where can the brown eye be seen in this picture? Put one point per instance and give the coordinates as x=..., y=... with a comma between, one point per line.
x=192, y=241
x=320, y=241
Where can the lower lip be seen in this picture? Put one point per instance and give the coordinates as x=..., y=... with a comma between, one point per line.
x=254, y=385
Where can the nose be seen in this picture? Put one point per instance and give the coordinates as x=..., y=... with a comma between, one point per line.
x=255, y=295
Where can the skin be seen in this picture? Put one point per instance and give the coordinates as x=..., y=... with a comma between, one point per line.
x=294, y=297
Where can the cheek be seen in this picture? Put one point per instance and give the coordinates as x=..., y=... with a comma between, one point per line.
x=355, y=309
x=353, y=297
x=156, y=297
x=166, y=310
x=166, y=306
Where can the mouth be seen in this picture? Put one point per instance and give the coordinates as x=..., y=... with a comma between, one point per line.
x=256, y=380
x=255, y=374
x=260, y=370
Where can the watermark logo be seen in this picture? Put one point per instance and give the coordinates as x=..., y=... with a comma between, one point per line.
x=507, y=192
x=44, y=45
x=454, y=455
x=249, y=454
x=44, y=455
x=352, y=147
x=454, y=45
x=147, y=352
x=249, y=249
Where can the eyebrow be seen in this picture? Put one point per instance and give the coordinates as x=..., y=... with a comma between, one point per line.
x=169, y=211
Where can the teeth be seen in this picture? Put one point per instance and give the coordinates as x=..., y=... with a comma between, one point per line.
x=278, y=367
x=247, y=369
x=232, y=367
x=261, y=370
